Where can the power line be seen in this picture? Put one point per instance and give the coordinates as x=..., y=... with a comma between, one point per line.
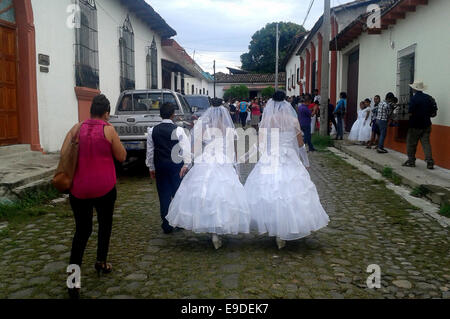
x=307, y=14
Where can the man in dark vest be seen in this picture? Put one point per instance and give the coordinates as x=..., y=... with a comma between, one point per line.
x=167, y=169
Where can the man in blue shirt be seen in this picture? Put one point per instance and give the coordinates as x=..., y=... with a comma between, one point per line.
x=243, y=113
x=340, y=110
x=304, y=117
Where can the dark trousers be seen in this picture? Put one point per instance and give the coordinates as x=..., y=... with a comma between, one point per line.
x=414, y=135
x=382, y=126
x=167, y=182
x=83, y=210
x=307, y=136
x=243, y=118
x=340, y=127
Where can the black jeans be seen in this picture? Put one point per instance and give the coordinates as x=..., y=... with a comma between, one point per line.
x=167, y=182
x=243, y=118
x=83, y=210
x=414, y=136
x=307, y=136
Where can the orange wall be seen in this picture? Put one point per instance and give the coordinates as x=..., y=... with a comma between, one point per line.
x=440, y=145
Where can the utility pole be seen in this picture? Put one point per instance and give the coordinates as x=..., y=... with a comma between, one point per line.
x=214, y=79
x=277, y=53
x=324, y=90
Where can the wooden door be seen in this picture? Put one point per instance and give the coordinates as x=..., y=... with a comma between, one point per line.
x=352, y=90
x=9, y=124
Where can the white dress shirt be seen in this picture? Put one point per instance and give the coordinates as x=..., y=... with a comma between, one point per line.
x=185, y=146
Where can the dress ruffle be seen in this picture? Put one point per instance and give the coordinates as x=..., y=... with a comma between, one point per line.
x=211, y=199
x=283, y=200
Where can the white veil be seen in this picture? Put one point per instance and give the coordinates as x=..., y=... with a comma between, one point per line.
x=213, y=137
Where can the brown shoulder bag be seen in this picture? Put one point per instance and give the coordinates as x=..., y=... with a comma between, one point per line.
x=67, y=166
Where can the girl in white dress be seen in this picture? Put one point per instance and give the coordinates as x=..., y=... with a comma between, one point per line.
x=283, y=200
x=361, y=130
x=211, y=199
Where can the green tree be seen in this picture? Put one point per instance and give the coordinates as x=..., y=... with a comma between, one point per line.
x=236, y=92
x=268, y=92
x=262, y=48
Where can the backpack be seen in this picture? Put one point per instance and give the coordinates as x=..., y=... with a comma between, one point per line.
x=434, y=107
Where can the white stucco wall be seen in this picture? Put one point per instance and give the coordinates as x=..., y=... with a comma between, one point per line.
x=291, y=69
x=428, y=27
x=57, y=102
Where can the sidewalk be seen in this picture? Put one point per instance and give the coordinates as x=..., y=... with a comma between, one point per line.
x=22, y=170
x=436, y=181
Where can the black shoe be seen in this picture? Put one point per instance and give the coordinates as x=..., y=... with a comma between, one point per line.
x=409, y=163
x=430, y=165
x=74, y=293
x=382, y=151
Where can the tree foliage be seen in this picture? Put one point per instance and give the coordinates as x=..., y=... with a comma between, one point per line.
x=268, y=92
x=262, y=48
x=236, y=92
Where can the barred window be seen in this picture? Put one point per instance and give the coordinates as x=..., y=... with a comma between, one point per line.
x=152, y=66
x=126, y=43
x=86, y=45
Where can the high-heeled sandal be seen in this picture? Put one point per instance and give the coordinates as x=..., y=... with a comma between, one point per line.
x=103, y=267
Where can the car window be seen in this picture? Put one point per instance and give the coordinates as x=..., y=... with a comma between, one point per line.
x=126, y=104
x=202, y=103
x=145, y=102
x=184, y=104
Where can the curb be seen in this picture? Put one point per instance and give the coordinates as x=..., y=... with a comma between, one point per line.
x=436, y=194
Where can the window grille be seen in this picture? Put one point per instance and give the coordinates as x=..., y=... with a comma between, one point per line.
x=126, y=43
x=86, y=45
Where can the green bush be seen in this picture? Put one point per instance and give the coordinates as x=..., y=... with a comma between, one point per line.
x=236, y=92
x=445, y=210
x=268, y=92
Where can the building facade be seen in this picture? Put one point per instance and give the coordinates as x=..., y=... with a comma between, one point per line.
x=56, y=55
x=408, y=46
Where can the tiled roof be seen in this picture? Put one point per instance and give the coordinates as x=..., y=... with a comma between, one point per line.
x=249, y=78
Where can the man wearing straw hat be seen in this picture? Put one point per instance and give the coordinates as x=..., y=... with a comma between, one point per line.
x=422, y=108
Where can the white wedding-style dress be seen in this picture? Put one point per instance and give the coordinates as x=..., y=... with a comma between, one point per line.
x=211, y=199
x=283, y=200
x=361, y=130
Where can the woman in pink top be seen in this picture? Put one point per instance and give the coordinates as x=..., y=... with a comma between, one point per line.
x=94, y=183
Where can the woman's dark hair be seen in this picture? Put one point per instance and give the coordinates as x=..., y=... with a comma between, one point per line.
x=167, y=110
x=368, y=101
x=343, y=95
x=279, y=96
x=100, y=106
x=390, y=96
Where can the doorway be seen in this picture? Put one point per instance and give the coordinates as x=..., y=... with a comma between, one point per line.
x=352, y=90
x=9, y=121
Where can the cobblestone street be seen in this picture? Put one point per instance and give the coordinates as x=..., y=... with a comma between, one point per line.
x=369, y=225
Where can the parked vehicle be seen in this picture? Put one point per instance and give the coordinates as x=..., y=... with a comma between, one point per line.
x=198, y=103
x=137, y=110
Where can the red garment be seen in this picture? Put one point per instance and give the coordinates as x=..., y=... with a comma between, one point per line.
x=255, y=109
x=95, y=175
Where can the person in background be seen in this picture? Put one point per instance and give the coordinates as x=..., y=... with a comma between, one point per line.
x=243, y=105
x=331, y=118
x=233, y=111
x=314, y=108
x=375, y=130
x=94, y=184
x=317, y=97
x=304, y=117
x=256, y=113
x=422, y=108
x=383, y=116
x=340, y=110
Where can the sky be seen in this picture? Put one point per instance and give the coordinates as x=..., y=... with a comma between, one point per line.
x=221, y=30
